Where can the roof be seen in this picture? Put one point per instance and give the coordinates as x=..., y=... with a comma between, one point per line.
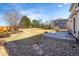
x=71, y=6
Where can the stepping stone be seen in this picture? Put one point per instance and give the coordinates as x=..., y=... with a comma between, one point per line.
x=38, y=50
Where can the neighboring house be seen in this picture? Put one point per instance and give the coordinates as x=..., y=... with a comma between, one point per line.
x=60, y=23
x=73, y=22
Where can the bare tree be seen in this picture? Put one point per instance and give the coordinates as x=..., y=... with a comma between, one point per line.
x=12, y=17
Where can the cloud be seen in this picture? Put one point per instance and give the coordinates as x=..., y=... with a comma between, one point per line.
x=65, y=3
x=2, y=22
x=36, y=11
x=34, y=14
x=30, y=14
x=60, y=6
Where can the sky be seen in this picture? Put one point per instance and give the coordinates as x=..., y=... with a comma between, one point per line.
x=44, y=11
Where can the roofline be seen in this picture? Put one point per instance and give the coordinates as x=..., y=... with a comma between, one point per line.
x=71, y=6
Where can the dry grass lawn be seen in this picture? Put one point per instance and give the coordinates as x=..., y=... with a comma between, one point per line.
x=27, y=33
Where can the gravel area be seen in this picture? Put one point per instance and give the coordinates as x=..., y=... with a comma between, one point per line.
x=31, y=42
x=47, y=47
x=56, y=47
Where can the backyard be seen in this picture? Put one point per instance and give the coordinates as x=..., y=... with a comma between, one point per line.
x=32, y=42
x=38, y=29
x=27, y=36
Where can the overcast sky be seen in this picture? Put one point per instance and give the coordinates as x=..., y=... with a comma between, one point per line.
x=45, y=11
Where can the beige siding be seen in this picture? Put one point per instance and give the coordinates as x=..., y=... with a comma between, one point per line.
x=70, y=25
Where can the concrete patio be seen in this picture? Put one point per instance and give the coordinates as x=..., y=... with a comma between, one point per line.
x=59, y=35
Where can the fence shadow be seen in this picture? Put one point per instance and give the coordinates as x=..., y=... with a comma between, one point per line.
x=23, y=47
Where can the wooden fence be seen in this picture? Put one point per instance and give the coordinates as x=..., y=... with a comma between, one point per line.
x=6, y=28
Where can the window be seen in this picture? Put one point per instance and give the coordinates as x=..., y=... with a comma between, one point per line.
x=78, y=4
x=74, y=24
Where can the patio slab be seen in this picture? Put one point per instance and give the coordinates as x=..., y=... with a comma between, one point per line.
x=59, y=35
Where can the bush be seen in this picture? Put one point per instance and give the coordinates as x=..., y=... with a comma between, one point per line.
x=3, y=35
x=57, y=28
x=2, y=41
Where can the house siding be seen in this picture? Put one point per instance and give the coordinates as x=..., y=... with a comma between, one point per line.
x=71, y=24
x=77, y=25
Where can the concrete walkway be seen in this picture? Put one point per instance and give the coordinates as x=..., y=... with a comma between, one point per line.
x=59, y=35
x=3, y=51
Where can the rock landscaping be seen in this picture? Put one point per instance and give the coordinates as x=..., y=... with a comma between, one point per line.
x=48, y=47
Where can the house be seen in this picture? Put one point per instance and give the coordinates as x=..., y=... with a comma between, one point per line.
x=61, y=23
x=69, y=25
x=73, y=21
